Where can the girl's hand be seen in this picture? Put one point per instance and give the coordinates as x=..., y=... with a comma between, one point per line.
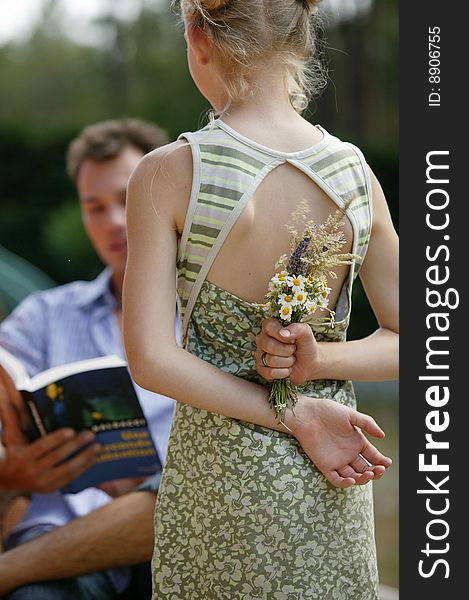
x=327, y=432
x=288, y=351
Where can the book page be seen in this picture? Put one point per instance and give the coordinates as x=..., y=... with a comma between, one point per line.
x=14, y=368
x=51, y=375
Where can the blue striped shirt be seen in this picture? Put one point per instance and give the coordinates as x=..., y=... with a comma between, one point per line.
x=65, y=324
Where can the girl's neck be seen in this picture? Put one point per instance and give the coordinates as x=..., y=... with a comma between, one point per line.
x=268, y=105
x=268, y=117
x=265, y=111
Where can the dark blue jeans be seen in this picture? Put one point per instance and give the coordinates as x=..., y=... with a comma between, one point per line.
x=95, y=586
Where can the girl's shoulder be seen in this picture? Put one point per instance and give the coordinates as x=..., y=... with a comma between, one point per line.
x=164, y=176
x=170, y=156
x=168, y=164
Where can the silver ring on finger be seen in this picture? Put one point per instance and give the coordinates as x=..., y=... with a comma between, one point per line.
x=368, y=465
x=263, y=361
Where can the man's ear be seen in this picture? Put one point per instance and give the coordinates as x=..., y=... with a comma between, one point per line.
x=200, y=43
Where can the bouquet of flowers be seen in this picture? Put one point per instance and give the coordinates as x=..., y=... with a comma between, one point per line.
x=300, y=288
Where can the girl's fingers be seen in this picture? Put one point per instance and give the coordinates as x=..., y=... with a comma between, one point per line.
x=365, y=477
x=268, y=344
x=359, y=477
x=279, y=362
x=361, y=465
x=270, y=374
x=373, y=455
x=379, y=471
x=337, y=480
x=349, y=471
x=366, y=423
x=296, y=331
x=271, y=328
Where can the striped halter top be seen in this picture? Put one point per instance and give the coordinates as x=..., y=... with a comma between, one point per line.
x=227, y=169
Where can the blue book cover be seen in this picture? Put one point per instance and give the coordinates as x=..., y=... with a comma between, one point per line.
x=99, y=395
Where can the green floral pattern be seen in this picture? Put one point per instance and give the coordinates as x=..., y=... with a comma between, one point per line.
x=242, y=512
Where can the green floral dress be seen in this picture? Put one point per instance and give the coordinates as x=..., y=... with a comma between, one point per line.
x=243, y=513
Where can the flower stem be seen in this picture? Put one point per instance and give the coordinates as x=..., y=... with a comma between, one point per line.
x=283, y=395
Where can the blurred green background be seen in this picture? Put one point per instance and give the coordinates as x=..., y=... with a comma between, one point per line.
x=62, y=71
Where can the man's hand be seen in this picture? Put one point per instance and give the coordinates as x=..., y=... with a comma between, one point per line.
x=38, y=466
x=327, y=432
x=288, y=351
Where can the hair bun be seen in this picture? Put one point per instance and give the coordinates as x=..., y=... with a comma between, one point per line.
x=214, y=4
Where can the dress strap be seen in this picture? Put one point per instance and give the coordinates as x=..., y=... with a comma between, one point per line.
x=362, y=206
x=344, y=175
x=225, y=175
x=220, y=239
x=195, y=150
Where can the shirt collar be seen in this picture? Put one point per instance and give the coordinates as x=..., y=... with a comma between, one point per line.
x=99, y=288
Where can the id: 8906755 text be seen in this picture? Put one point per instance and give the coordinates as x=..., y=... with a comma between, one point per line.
x=434, y=66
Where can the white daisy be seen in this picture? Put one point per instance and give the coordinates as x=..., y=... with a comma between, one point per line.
x=300, y=297
x=296, y=282
x=286, y=299
x=285, y=312
x=322, y=301
x=279, y=278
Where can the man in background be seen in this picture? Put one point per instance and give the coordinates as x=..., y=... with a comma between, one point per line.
x=79, y=545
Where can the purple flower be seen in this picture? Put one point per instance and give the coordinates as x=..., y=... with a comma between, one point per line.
x=295, y=264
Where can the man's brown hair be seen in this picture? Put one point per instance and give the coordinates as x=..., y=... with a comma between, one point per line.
x=105, y=140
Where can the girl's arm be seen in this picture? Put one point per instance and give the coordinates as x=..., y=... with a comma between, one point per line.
x=294, y=351
x=157, y=192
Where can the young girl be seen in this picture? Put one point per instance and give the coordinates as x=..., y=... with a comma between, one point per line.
x=250, y=507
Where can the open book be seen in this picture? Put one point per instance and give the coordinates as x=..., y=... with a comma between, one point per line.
x=96, y=394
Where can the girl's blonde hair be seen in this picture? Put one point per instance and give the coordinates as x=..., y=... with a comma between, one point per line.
x=246, y=33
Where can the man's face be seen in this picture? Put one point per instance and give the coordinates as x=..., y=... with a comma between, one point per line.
x=102, y=187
